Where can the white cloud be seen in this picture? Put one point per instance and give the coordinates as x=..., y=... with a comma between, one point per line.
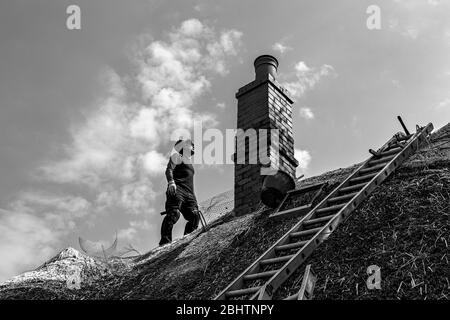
x=119, y=146
x=304, y=159
x=306, y=78
x=25, y=240
x=280, y=47
x=230, y=41
x=98, y=148
x=199, y=7
x=144, y=225
x=191, y=28
x=301, y=67
x=144, y=126
x=221, y=105
x=306, y=113
x=154, y=162
x=171, y=74
x=106, y=199
x=33, y=228
x=38, y=201
x=136, y=197
x=127, y=234
x=130, y=233
x=113, y=143
x=443, y=104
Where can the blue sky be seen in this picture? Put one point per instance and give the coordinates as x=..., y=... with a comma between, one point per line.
x=86, y=115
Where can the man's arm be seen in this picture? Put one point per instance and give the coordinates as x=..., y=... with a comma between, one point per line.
x=169, y=171
x=169, y=174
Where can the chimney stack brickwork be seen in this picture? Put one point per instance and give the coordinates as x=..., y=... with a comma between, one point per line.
x=263, y=104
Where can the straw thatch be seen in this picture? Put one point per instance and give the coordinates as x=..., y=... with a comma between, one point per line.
x=402, y=227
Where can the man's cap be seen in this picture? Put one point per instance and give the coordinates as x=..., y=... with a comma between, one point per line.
x=179, y=145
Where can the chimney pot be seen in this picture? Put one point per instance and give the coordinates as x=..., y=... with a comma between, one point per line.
x=265, y=65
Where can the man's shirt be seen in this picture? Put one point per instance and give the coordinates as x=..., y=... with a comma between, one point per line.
x=181, y=172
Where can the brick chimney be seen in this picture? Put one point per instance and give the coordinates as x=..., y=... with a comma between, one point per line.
x=263, y=104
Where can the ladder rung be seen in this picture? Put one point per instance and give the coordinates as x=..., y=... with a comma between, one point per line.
x=330, y=209
x=345, y=197
x=291, y=246
x=318, y=220
x=391, y=152
x=304, y=233
x=260, y=275
x=241, y=292
x=382, y=160
x=275, y=260
x=363, y=178
x=353, y=188
x=374, y=168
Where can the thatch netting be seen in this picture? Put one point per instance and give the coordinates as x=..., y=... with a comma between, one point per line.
x=217, y=206
x=403, y=228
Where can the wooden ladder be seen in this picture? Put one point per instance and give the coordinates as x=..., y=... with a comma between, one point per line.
x=280, y=261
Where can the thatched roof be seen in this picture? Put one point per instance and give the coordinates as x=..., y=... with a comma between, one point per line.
x=403, y=228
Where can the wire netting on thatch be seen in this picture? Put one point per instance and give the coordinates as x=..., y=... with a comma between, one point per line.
x=403, y=227
x=217, y=206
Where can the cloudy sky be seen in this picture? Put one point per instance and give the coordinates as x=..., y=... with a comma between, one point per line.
x=86, y=115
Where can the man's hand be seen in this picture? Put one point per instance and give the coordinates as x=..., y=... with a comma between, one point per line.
x=172, y=188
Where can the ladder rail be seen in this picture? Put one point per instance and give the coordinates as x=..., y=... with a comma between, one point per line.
x=294, y=191
x=323, y=203
x=288, y=194
x=270, y=253
x=296, y=210
x=300, y=210
x=289, y=267
x=284, y=272
x=344, y=184
x=298, y=258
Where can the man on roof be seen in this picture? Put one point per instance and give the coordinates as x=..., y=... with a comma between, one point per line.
x=180, y=196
